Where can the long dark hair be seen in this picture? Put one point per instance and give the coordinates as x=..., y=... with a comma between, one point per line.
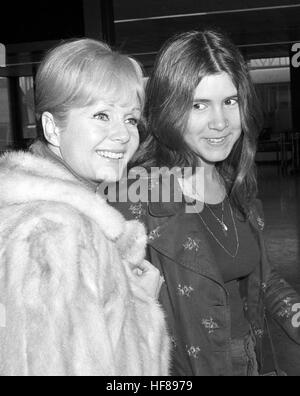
x=180, y=66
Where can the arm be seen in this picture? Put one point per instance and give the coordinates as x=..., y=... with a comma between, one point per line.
x=145, y=282
x=72, y=308
x=281, y=300
x=55, y=308
x=283, y=303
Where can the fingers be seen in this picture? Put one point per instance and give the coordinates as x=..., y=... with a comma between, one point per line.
x=148, y=278
x=146, y=267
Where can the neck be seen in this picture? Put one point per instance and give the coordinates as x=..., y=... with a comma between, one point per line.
x=48, y=151
x=214, y=188
x=210, y=172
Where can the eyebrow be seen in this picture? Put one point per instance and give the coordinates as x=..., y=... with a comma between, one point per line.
x=125, y=106
x=209, y=101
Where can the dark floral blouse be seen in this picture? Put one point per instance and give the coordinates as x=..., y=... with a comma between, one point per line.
x=194, y=296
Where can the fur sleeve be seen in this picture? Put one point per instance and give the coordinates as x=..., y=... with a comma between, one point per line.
x=52, y=288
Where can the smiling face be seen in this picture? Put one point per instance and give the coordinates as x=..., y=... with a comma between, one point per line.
x=99, y=140
x=214, y=124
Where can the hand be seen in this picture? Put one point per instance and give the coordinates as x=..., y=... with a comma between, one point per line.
x=149, y=278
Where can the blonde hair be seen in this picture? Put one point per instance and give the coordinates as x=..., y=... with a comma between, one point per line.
x=77, y=73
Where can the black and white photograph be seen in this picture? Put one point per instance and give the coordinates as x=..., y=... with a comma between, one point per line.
x=150, y=191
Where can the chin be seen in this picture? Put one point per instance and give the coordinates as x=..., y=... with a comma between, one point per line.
x=216, y=157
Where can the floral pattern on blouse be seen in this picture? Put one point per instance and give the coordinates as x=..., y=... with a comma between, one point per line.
x=261, y=223
x=155, y=234
x=264, y=287
x=192, y=244
x=137, y=211
x=286, y=311
x=210, y=325
x=259, y=333
x=185, y=291
x=173, y=342
x=193, y=351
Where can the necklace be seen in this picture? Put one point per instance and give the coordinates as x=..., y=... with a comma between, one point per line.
x=221, y=222
x=233, y=255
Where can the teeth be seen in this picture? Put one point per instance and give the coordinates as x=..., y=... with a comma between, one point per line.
x=107, y=154
x=216, y=141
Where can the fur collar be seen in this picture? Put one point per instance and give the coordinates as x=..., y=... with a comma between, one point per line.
x=26, y=178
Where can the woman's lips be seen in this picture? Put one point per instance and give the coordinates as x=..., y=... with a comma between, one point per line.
x=216, y=141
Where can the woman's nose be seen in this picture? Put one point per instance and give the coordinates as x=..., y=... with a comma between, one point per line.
x=218, y=122
x=120, y=133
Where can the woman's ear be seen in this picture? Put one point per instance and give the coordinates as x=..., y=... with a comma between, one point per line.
x=51, y=131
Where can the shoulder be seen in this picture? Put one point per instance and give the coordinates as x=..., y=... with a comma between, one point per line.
x=62, y=227
x=46, y=221
x=18, y=163
x=51, y=247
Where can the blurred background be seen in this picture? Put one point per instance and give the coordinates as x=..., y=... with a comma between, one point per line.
x=266, y=31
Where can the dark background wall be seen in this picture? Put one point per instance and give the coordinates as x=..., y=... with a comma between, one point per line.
x=29, y=21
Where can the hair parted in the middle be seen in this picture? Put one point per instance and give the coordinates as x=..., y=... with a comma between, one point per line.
x=180, y=67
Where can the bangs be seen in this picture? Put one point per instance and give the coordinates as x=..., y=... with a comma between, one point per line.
x=115, y=77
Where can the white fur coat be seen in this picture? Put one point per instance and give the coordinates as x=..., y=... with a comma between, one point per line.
x=68, y=302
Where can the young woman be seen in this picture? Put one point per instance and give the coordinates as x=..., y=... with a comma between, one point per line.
x=76, y=296
x=202, y=113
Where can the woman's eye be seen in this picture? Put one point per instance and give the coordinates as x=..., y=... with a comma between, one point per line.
x=101, y=117
x=199, y=106
x=132, y=121
x=231, y=102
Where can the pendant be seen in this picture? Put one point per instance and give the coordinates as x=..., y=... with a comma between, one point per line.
x=225, y=229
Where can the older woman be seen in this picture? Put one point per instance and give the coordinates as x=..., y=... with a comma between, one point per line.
x=77, y=296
